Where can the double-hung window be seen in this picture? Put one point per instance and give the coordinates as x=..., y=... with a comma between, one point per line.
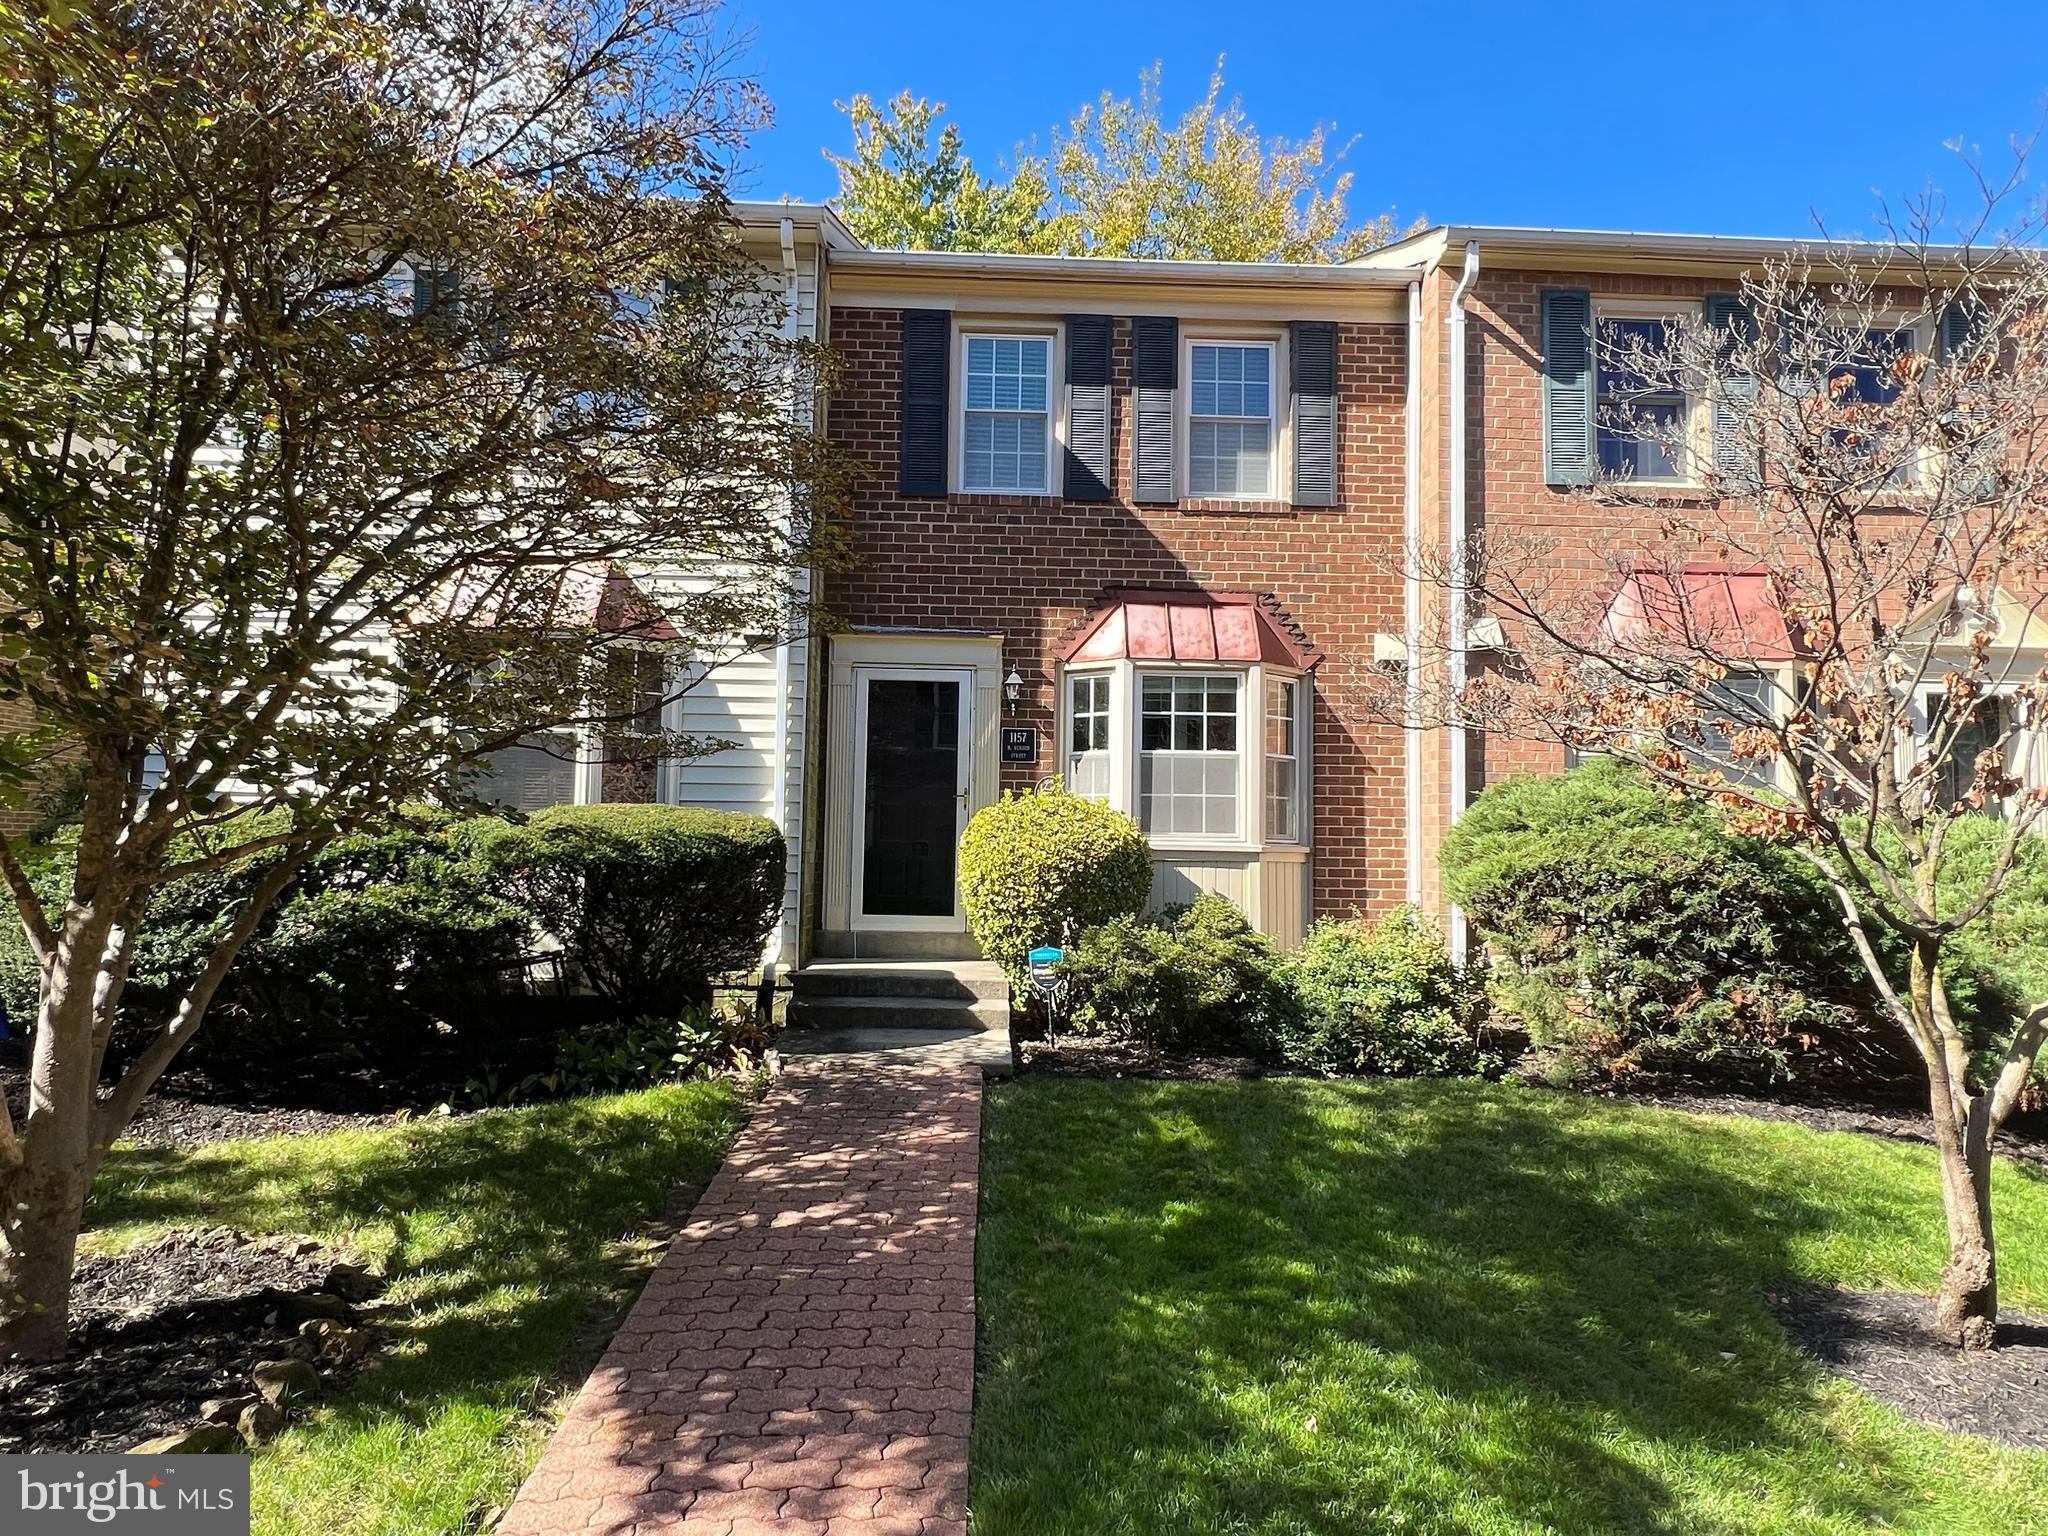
x=1230, y=418
x=1873, y=377
x=1088, y=754
x=1006, y=431
x=1283, y=760
x=1640, y=422
x=1187, y=754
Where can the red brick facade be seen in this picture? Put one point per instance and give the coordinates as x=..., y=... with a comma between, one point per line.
x=1031, y=567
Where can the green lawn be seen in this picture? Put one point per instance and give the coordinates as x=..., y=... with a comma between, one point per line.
x=1442, y=1306
x=499, y=1231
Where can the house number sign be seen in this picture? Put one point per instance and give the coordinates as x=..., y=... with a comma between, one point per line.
x=1020, y=744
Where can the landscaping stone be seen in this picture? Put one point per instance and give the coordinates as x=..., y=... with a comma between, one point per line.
x=285, y=1381
x=226, y=1410
x=352, y=1282
x=803, y=1359
x=258, y=1422
x=312, y=1304
x=200, y=1440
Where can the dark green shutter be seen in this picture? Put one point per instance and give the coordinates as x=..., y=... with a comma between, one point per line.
x=434, y=291
x=1155, y=376
x=1734, y=389
x=1961, y=319
x=1567, y=386
x=1090, y=456
x=927, y=356
x=1312, y=370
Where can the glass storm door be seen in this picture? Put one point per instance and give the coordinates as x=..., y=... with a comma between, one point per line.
x=914, y=777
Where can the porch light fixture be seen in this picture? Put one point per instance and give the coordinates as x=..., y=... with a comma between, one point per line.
x=1013, y=688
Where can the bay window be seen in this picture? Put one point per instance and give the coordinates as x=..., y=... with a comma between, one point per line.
x=1088, y=756
x=1187, y=754
x=1283, y=761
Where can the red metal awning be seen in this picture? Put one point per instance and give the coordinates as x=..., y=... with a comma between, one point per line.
x=1707, y=609
x=1149, y=625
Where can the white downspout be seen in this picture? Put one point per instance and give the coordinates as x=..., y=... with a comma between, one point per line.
x=1411, y=523
x=791, y=292
x=1460, y=448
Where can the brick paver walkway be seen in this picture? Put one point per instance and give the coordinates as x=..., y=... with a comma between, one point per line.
x=803, y=1360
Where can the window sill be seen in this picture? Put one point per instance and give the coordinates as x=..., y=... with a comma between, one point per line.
x=1229, y=506
x=1236, y=849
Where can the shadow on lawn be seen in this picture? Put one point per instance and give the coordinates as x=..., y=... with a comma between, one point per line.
x=498, y=1226
x=1282, y=1307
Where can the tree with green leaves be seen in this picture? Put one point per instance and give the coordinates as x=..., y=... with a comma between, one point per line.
x=901, y=191
x=1122, y=180
x=351, y=354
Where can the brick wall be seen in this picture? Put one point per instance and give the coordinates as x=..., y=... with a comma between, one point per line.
x=1032, y=566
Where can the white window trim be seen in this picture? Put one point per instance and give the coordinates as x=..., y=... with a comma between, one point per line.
x=1126, y=706
x=1065, y=727
x=1055, y=398
x=1281, y=403
x=1699, y=428
x=2027, y=742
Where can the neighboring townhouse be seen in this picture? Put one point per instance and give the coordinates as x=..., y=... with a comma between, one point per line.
x=749, y=692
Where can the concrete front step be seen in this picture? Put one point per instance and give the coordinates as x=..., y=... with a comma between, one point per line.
x=963, y=980
x=828, y=1012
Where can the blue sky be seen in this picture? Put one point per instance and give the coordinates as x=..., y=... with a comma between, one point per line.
x=1730, y=118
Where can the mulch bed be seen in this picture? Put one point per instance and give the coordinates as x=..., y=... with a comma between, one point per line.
x=1085, y=1056
x=157, y=1331
x=192, y=1112
x=1879, y=1341
x=2023, y=1137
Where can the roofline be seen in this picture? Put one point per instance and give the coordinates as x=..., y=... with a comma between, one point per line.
x=1083, y=268
x=822, y=217
x=1428, y=246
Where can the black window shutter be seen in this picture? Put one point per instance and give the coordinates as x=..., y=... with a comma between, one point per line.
x=1735, y=389
x=927, y=354
x=1312, y=370
x=1567, y=386
x=1155, y=375
x=1090, y=458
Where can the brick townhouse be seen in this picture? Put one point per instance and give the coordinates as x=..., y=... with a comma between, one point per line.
x=1139, y=526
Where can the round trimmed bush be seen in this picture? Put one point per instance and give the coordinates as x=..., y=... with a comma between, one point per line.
x=649, y=902
x=1032, y=863
x=1631, y=929
x=1384, y=997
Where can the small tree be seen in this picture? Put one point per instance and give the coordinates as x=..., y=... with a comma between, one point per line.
x=348, y=354
x=1833, y=643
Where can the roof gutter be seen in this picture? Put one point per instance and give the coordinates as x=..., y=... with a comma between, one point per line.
x=1262, y=274
x=1460, y=452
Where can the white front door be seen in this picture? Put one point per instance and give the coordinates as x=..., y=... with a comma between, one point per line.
x=912, y=735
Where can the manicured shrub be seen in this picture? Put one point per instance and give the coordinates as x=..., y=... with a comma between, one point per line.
x=1631, y=929
x=1380, y=998
x=1032, y=864
x=1196, y=976
x=649, y=902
